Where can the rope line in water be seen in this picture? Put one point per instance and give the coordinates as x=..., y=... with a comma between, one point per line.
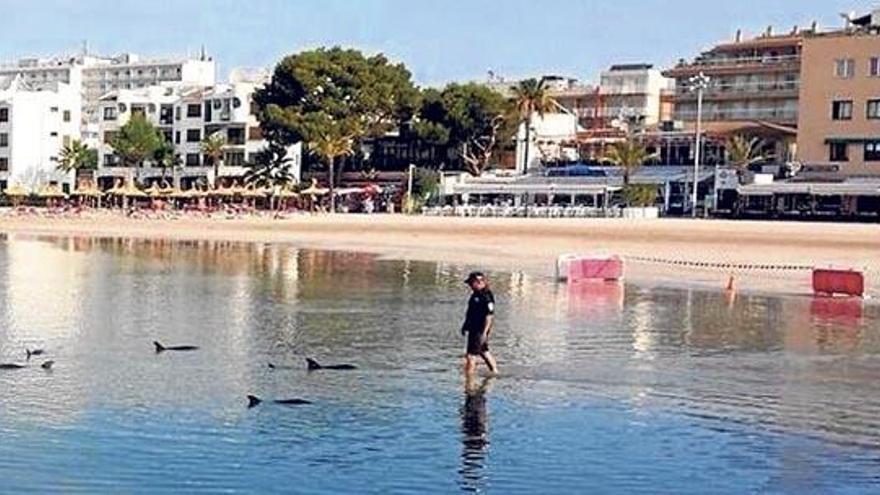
x=726, y=266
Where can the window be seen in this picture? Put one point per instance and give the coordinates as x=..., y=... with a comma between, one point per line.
x=110, y=160
x=841, y=110
x=235, y=135
x=66, y=116
x=845, y=68
x=872, y=111
x=192, y=159
x=193, y=135
x=53, y=109
x=177, y=113
x=872, y=151
x=166, y=114
x=255, y=133
x=167, y=135
x=4, y=139
x=4, y=164
x=54, y=133
x=234, y=159
x=109, y=136
x=874, y=67
x=176, y=137
x=255, y=109
x=4, y=115
x=110, y=113
x=838, y=152
x=193, y=110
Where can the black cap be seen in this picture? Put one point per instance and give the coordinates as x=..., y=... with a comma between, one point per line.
x=473, y=276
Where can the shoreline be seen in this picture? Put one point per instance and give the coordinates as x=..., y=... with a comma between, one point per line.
x=531, y=244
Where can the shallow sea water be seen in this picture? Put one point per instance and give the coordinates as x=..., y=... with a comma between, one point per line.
x=605, y=388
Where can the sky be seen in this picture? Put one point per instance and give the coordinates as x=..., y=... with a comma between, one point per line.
x=439, y=40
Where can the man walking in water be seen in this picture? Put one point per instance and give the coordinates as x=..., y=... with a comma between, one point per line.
x=478, y=323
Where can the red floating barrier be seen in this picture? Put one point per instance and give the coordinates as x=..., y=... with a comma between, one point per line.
x=828, y=282
x=593, y=268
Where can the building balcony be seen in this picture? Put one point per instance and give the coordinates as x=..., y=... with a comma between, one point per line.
x=741, y=93
x=741, y=65
x=770, y=114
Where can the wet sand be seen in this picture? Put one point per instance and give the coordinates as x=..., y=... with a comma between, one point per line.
x=675, y=246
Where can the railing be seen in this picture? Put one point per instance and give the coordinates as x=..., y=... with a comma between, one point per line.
x=743, y=61
x=739, y=114
x=747, y=88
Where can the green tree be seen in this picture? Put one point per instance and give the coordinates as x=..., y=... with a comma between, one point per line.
x=213, y=147
x=77, y=156
x=468, y=118
x=165, y=157
x=629, y=155
x=530, y=97
x=742, y=152
x=334, y=94
x=136, y=141
x=328, y=148
x=271, y=168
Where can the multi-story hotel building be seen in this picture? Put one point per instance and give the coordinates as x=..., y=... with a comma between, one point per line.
x=95, y=76
x=753, y=88
x=36, y=122
x=839, y=121
x=186, y=115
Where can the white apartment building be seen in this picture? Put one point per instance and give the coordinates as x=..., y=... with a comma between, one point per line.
x=632, y=91
x=186, y=115
x=95, y=75
x=36, y=122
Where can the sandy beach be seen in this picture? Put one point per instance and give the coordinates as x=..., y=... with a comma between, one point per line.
x=675, y=247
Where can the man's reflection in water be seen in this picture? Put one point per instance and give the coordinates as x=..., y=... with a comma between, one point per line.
x=474, y=434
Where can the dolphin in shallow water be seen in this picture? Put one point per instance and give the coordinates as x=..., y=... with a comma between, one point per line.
x=12, y=366
x=314, y=366
x=254, y=401
x=35, y=352
x=162, y=348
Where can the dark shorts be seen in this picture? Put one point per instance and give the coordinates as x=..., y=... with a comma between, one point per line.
x=477, y=344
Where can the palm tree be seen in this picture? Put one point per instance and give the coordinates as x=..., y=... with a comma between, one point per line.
x=77, y=156
x=629, y=155
x=213, y=146
x=329, y=148
x=742, y=152
x=271, y=168
x=531, y=97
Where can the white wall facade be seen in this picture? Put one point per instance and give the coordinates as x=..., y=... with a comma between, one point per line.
x=34, y=126
x=633, y=91
x=198, y=112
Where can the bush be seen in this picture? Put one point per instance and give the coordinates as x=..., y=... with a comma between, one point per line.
x=639, y=195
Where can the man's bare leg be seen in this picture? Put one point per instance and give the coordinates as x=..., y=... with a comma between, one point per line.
x=470, y=364
x=490, y=362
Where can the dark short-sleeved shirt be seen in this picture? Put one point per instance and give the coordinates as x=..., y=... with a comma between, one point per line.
x=480, y=306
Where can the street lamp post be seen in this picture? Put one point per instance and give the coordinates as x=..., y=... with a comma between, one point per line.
x=699, y=83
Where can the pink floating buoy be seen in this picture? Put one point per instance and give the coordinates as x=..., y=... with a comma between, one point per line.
x=574, y=268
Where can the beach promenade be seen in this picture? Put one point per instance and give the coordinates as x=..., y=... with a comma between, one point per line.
x=666, y=251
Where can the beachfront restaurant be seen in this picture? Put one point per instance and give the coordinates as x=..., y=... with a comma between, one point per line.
x=577, y=186
x=853, y=198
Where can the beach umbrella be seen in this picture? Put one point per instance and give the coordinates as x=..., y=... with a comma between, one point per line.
x=51, y=192
x=132, y=191
x=89, y=191
x=16, y=191
x=255, y=192
x=286, y=193
x=314, y=190
x=154, y=191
